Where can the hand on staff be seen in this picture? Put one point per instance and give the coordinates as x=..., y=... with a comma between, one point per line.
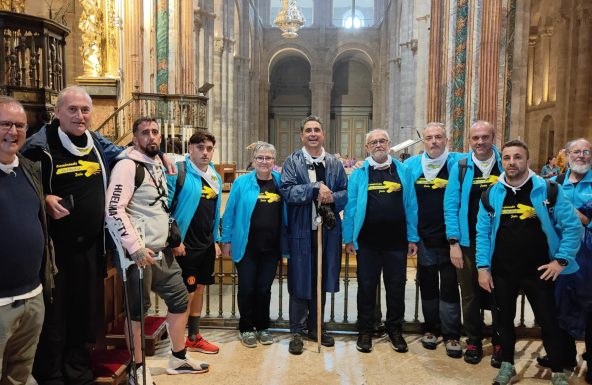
x=143, y=257
x=226, y=250
x=179, y=251
x=456, y=256
x=411, y=248
x=485, y=280
x=54, y=208
x=325, y=194
x=169, y=164
x=552, y=270
x=350, y=248
x=218, y=251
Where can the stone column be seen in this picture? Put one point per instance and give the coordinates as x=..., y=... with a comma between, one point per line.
x=132, y=17
x=321, y=85
x=532, y=42
x=436, y=70
x=489, y=61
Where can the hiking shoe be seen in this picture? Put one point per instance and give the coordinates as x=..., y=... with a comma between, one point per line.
x=453, y=348
x=265, y=337
x=296, y=344
x=429, y=341
x=201, y=345
x=186, y=365
x=496, y=356
x=326, y=339
x=379, y=330
x=546, y=363
x=139, y=377
x=473, y=354
x=364, y=343
x=248, y=339
x=506, y=375
x=559, y=378
x=397, y=341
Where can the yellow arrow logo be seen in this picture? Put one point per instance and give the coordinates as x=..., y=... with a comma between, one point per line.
x=90, y=167
x=269, y=197
x=439, y=183
x=208, y=192
x=524, y=211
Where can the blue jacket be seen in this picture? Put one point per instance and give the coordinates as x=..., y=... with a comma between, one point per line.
x=414, y=163
x=456, y=200
x=239, y=209
x=563, y=231
x=189, y=197
x=357, y=199
x=579, y=194
x=297, y=192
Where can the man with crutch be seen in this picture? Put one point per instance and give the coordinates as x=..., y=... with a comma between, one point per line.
x=137, y=213
x=313, y=182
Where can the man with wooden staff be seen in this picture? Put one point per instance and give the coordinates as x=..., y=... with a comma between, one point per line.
x=312, y=182
x=380, y=228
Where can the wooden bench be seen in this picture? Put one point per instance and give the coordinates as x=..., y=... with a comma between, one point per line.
x=154, y=329
x=109, y=366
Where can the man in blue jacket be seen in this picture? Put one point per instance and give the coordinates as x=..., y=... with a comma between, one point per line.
x=440, y=299
x=467, y=180
x=515, y=209
x=311, y=178
x=380, y=227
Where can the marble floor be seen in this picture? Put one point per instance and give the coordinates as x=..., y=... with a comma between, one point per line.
x=343, y=364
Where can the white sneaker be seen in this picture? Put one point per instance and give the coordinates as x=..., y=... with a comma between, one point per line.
x=139, y=379
x=188, y=365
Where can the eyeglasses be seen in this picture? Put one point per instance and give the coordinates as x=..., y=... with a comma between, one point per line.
x=377, y=142
x=581, y=152
x=6, y=125
x=261, y=159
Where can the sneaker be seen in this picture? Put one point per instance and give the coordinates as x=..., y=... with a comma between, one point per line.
x=453, y=348
x=201, y=345
x=379, y=330
x=506, y=375
x=473, y=354
x=264, y=336
x=364, y=343
x=429, y=341
x=248, y=339
x=546, y=363
x=296, y=344
x=559, y=378
x=139, y=378
x=496, y=356
x=397, y=341
x=186, y=365
x=326, y=339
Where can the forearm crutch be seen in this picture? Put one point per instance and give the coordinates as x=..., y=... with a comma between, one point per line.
x=319, y=222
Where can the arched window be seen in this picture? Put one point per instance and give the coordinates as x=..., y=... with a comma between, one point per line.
x=353, y=14
x=305, y=7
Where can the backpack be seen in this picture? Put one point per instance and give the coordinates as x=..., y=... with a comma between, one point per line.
x=560, y=178
x=181, y=173
x=462, y=170
x=552, y=191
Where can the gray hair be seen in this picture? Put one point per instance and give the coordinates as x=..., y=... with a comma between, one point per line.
x=310, y=118
x=6, y=100
x=377, y=130
x=71, y=90
x=436, y=124
x=486, y=124
x=571, y=143
x=263, y=146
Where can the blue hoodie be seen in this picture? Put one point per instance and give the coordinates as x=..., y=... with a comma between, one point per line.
x=578, y=194
x=236, y=222
x=456, y=200
x=357, y=199
x=563, y=231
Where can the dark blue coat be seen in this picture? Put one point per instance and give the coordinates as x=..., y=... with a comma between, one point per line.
x=297, y=191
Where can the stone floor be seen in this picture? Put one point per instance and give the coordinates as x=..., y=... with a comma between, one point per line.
x=343, y=364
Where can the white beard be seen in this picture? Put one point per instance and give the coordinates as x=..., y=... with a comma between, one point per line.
x=580, y=169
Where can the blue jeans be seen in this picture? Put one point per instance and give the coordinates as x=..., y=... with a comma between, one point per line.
x=393, y=265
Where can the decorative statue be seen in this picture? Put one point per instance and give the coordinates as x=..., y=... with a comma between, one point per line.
x=90, y=25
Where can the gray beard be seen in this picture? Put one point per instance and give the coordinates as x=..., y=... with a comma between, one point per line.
x=580, y=169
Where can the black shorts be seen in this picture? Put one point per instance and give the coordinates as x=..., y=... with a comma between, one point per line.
x=198, y=267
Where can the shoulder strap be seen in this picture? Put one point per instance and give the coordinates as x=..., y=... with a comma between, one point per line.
x=485, y=200
x=560, y=179
x=181, y=173
x=462, y=170
x=552, y=191
x=140, y=174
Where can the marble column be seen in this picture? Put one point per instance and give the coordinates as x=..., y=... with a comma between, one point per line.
x=162, y=46
x=436, y=69
x=489, y=61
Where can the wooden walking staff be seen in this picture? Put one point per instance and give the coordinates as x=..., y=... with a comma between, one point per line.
x=319, y=222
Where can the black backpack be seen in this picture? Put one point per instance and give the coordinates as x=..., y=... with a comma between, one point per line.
x=181, y=173
x=552, y=191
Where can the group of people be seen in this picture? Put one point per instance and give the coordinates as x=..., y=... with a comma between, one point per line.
x=466, y=216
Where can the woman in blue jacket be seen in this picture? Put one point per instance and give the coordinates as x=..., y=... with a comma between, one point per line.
x=252, y=226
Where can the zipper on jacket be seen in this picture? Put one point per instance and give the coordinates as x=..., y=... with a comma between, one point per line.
x=50, y=169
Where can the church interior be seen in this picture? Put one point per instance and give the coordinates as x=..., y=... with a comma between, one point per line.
x=246, y=72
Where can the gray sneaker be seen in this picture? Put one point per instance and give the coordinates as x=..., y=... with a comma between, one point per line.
x=429, y=341
x=248, y=339
x=453, y=348
x=264, y=336
x=506, y=375
x=559, y=379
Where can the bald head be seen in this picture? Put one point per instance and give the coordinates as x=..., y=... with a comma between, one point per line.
x=74, y=110
x=481, y=138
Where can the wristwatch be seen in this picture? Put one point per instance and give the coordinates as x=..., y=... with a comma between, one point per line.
x=452, y=241
x=562, y=261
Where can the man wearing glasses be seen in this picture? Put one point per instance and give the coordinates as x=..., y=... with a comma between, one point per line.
x=197, y=212
x=380, y=228
x=26, y=261
x=311, y=180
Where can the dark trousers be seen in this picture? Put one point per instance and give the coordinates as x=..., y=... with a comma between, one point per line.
x=255, y=277
x=303, y=312
x=440, y=300
x=62, y=355
x=393, y=265
x=541, y=297
x=568, y=344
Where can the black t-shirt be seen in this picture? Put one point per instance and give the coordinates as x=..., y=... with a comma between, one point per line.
x=80, y=176
x=430, y=202
x=479, y=185
x=520, y=244
x=200, y=235
x=385, y=226
x=266, y=220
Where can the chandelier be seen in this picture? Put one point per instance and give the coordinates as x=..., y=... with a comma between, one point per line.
x=289, y=19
